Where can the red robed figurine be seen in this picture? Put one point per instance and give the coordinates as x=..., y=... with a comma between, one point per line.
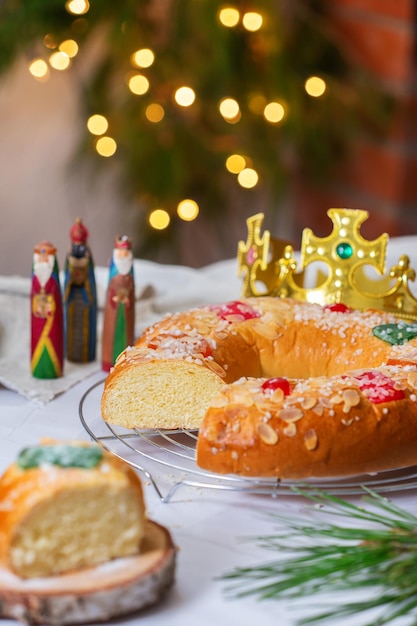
x=119, y=311
x=47, y=319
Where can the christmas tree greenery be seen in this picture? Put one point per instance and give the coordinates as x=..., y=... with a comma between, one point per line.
x=172, y=149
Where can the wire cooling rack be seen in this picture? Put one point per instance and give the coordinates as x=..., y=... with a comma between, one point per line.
x=173, y=451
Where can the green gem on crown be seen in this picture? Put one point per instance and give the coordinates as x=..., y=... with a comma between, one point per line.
x=344, y=250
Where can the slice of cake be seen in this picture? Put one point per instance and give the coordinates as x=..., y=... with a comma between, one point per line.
x=75, y=543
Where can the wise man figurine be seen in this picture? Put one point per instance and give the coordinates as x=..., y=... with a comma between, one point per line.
x=80, y=298
x=119, y=310
x=47, y=318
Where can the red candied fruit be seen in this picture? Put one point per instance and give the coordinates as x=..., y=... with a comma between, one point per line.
x=272, y=384
x=337, y=307
x=235, y=311
x=378, y=387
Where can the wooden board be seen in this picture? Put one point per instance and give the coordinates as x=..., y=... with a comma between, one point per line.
x=113, y=589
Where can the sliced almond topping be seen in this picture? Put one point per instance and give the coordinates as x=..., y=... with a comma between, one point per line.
x=201, y=327
x=326, y=403
x=290, y=415
x=267, y=433
x=311, y=439
x=318, y=409
x=337, y=399
x=292, y=400
x=412, y=379
x=242, y=396
x=351, y=397
x=215, y=367
x=277, y=395
x=308, y=403
x=290, y=430
x=236, y=427
x=265, y=331
x=347, y=422
x=234, y=317
x=219, y=401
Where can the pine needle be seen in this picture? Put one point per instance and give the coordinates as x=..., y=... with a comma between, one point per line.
x=316, y=556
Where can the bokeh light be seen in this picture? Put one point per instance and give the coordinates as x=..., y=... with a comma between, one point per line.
x=315, y=86
x=159, y=219
x=69, y=47
x=248, y=178
x=274, y=112
x=77, y=7
x=188, y=210
x=106, y=146
x=39, y=69
x=184, y=96
x=154, y=113
x=143, y=57
x=97, y=124
x=138, y=84
x=229, y=17
x=230, y=110
x=235, y=163
x=252, y=21
x=59, y=61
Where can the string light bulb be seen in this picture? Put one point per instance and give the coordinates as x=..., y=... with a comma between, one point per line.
x=143, y=57
x=154, y=112
x=248, y=178
x=97, y=124
x=106, y=146
x=69, y=47
x=274, y=112
x=229, y=17
x=230, y=110
x=235, y=163
x=159, y=219
x=188, y=210
x=49, y=41
x=77, y=7
x=252, y=21
x=138, y=84
x=184, y=96
x=315, y=86
x=39, y=69
x=59, y=61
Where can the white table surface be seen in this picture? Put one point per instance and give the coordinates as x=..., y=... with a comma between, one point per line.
x=207, y=525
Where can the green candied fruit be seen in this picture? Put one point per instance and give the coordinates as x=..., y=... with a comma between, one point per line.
x=63, y=455
x=395, y=334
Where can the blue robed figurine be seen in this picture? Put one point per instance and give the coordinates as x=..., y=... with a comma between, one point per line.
x=80, y=298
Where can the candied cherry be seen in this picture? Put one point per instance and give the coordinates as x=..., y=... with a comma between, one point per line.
x=337, y=307
x=236, y=311
x=272, y=384
x=378, y=387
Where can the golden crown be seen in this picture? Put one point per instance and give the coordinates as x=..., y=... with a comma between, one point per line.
x=269, y=267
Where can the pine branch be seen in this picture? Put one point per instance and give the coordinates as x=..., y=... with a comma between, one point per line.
x=321, y=556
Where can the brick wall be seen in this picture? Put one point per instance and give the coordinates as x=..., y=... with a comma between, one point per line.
x=381, y=175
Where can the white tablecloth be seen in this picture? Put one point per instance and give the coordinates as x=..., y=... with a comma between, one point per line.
x=207, y=525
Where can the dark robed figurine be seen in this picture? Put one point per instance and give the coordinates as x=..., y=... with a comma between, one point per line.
x=80, y=298
x=47, y=318
x=119, y=311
